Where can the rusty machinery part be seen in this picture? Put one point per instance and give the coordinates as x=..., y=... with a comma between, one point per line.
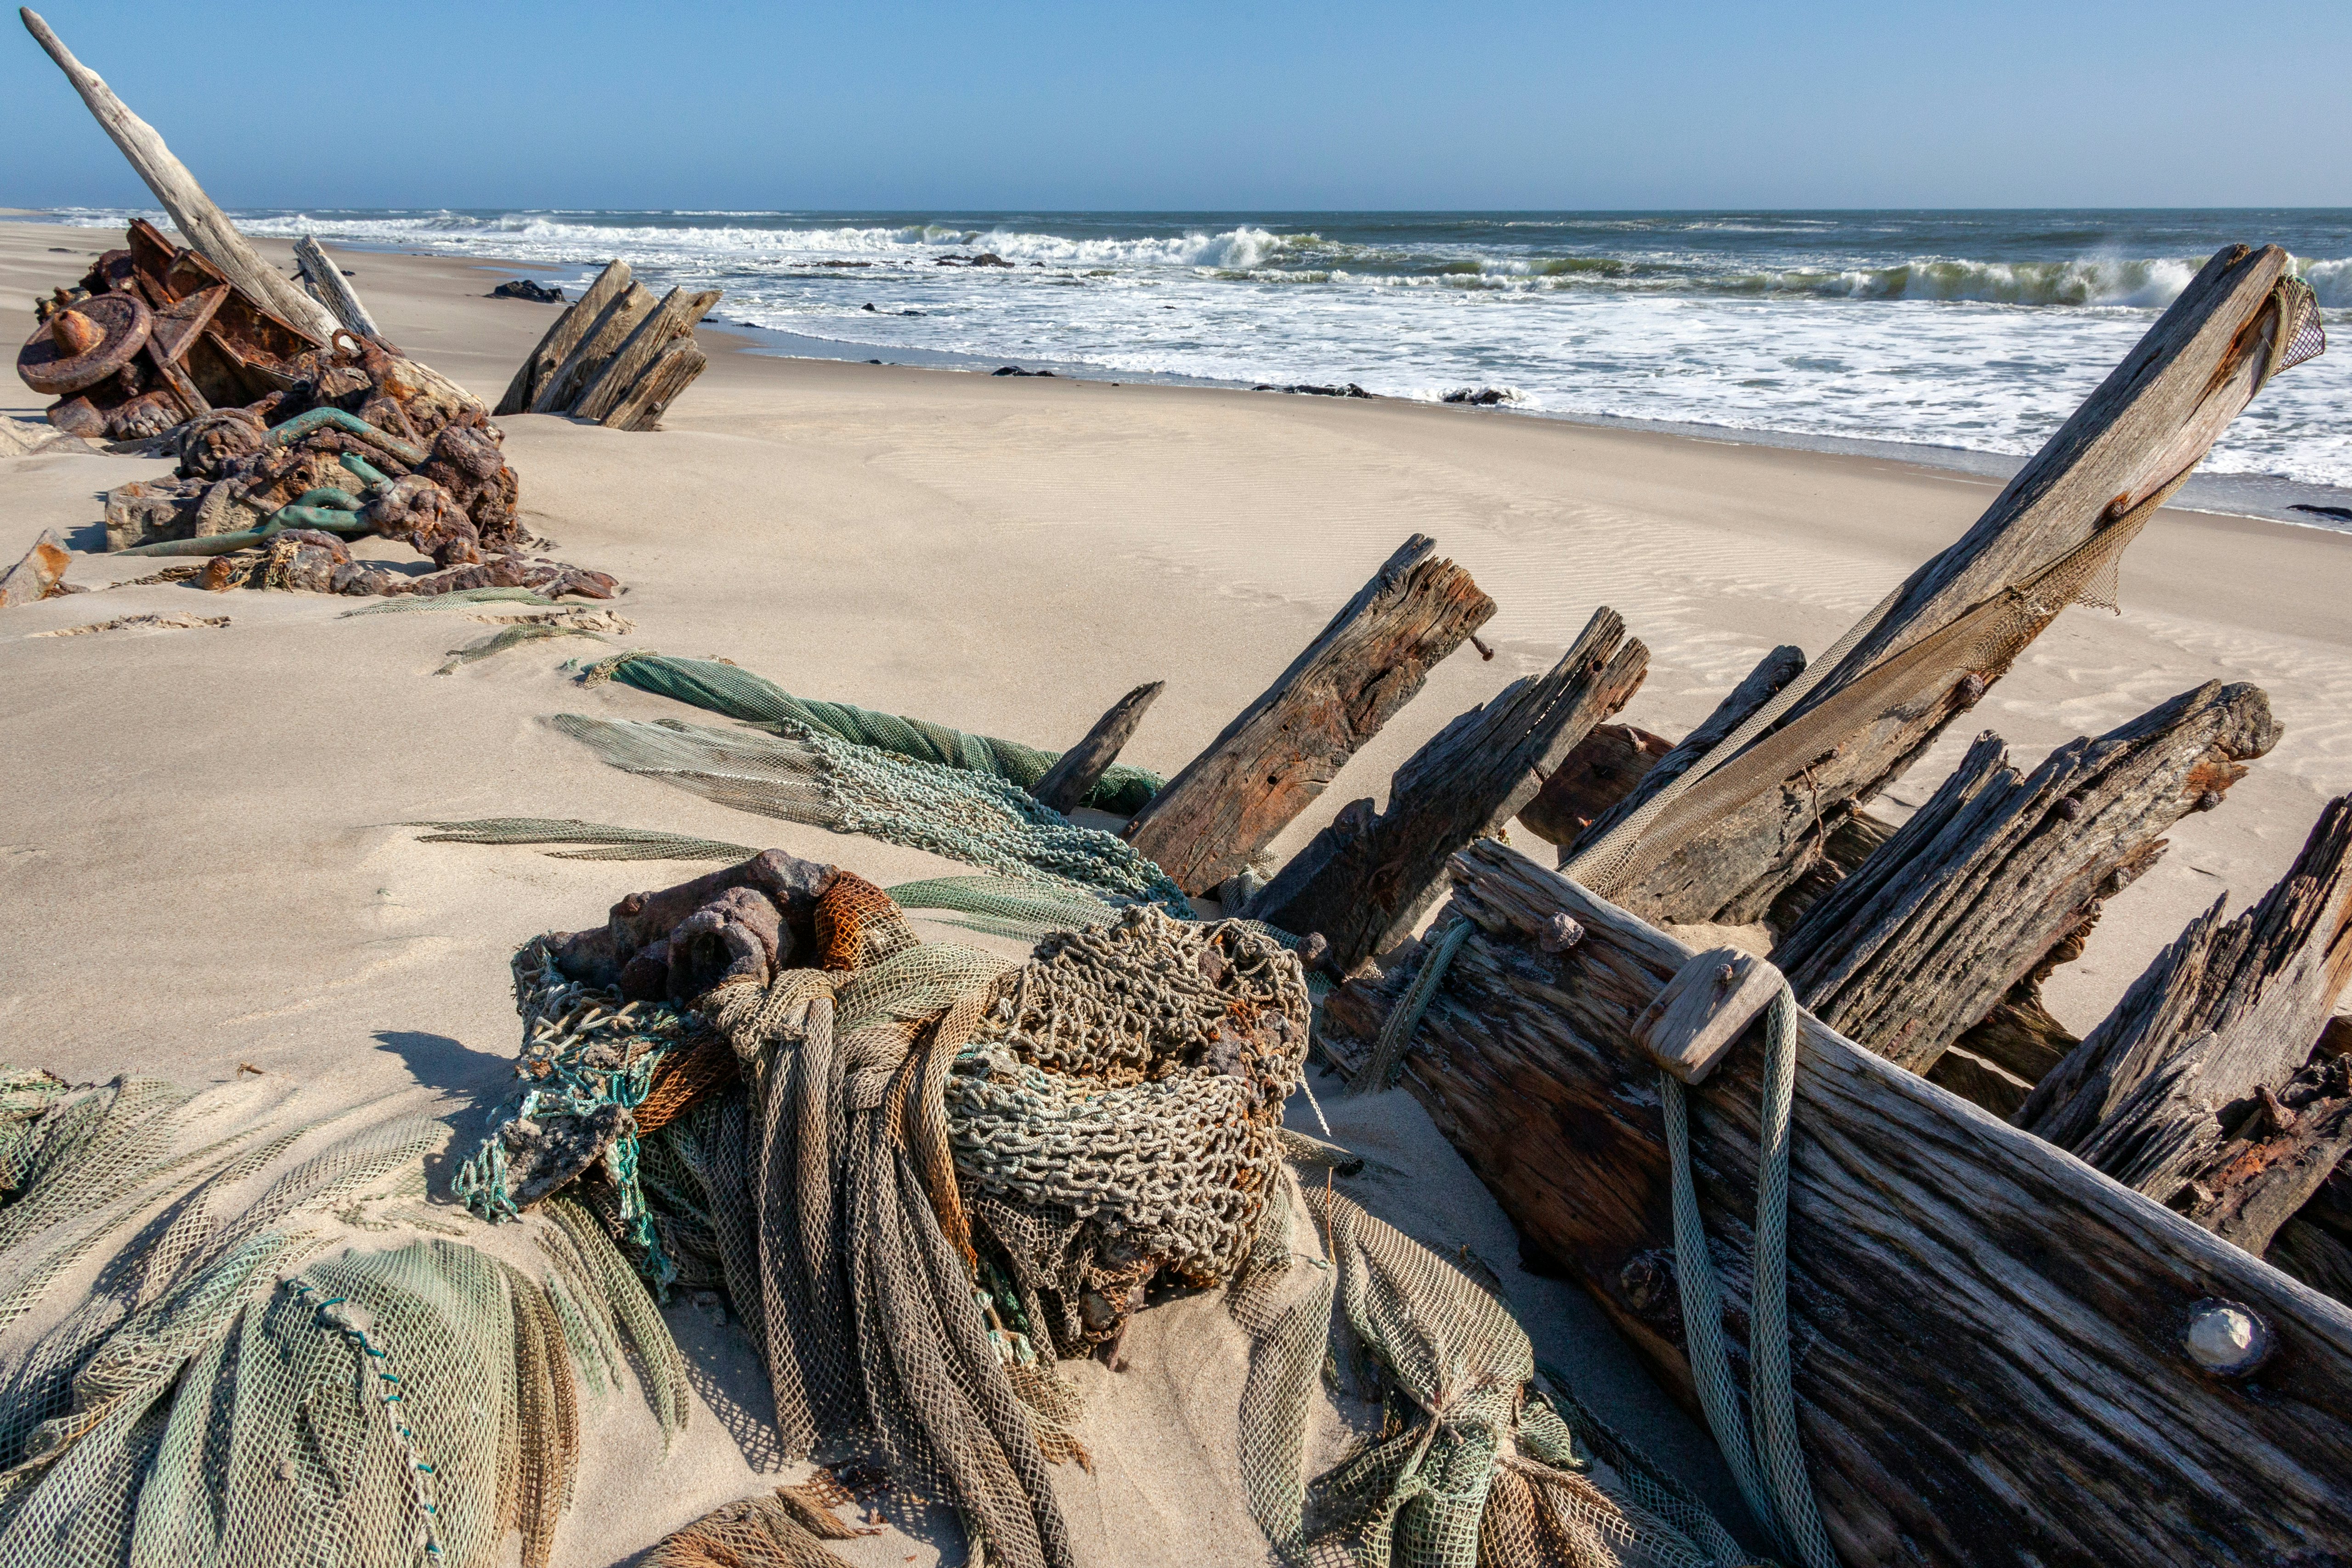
x=78, y=347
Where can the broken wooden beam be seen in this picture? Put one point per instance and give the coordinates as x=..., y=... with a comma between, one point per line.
x=1075, y=772
x=563, y=335
x=334, y=291
x=205, y=226
x=602, y=340
x=1991, y=1341
x=642, y=407
x=1272, y=761
x=1726, y=849
x=1927, y=937
x=1366, y=881
x=2229, y=1008
x=673, y=319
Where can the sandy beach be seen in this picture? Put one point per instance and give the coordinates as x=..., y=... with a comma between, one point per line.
x=203, y=868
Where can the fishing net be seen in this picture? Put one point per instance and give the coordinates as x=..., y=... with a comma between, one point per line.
x=930, y=1174
x=1473, y=1465
x=456, y=599
x=782, y=1529
x=281, y=1362
x=722, y=687
x=802, y=774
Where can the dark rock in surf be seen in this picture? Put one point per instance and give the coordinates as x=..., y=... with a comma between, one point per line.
x=526, y=289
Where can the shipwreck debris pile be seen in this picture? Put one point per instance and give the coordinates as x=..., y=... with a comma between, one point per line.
x=617, y=355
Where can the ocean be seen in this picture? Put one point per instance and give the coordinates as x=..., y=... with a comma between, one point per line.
x=1970, y=335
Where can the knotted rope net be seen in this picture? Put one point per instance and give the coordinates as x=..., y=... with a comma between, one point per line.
x=932, y=1172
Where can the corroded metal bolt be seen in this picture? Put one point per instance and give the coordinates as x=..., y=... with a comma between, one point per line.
x=1560, y=933
x=1314, y=949
x=1972, y=689
x=1726, y=978
x=2226, y=1338
x=2070, y=809
x=2208, y=801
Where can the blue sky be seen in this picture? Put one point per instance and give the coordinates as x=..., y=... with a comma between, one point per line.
x=1368, y=105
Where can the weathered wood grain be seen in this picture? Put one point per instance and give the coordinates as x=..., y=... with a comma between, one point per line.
x=1704, y=1009
x=2277, y=1159
x=334, y=289
x=602, y=340
x=2226, y=1009
x=204, y=225
x=563, y=335
x=672, y=372
x=673, y=319
x=1602, y=769
x=1272, y=761
x=1365, y=880
x=1986, y=1333
x=1927, y=936
x=2147, y=426
x=1075, y=772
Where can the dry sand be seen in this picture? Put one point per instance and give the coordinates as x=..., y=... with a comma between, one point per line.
x=200, y=866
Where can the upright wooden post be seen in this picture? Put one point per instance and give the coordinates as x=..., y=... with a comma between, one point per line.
x=1075, y=772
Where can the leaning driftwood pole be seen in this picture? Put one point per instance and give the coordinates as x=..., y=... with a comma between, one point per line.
x=1989, y=1338
x=1929, y=933
x=563, y=336
x=1364, y=881
x=1727, y=853
x=206, y=227
x=1075, y=772
x=1272, y=761
x=334, y=291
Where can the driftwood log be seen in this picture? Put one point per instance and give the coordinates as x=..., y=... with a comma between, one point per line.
x=2145, y=427
x=563, y=336
x=1988, y=1335
x=2228, y=1009
x=1271, y=763
x=202, y=224
x=1074, y=775
x=1969, y=896
x=1366, y=879
x=671, y=320
x=334, y=291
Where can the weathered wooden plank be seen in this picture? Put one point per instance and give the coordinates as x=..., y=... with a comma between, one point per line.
x=1271, y=762
x=672, y=372
x=1988, y=1335
x=563, y=335
x=1927, y=936
x=334, y=289
x=1075, y=772
x=1602, y=769
x=205, y=226
x=2225, y=1010
x=2147, y=426
x=673, y=319
x=1365, y=880
x=1704, y=1010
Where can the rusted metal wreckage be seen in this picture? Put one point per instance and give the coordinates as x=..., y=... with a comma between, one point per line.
x=296, y=422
